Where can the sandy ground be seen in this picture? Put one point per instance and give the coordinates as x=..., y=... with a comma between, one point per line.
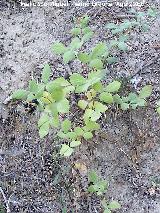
x=126, y=153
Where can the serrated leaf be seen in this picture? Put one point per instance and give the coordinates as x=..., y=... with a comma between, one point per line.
x=86, y=30
x=68, y=56
x=145, y=91
x=79, y=131
x=99, y=50
x=58, y=48
x=44, y=129
x=99, y=107
x=117, y=99
x=98, y=87
x=124, y=106
x=93, y=177
x=107, y=211
x=96, y=63
x=55, y=122
x=46, y=73
x=95, y=116
x=122, y=46
x=63, y=106
x=91, y=126
x=87, y=36
x=82, y=104
x=57, y=94
x=88, y=135
x=141, y=102
x=113, y=86
x=84, y=21
x=75, y=144
x=106, y=97
x=43, y=119
x=71, y=135
x=111, y=26
x=76, y=31
x=66, y=125
x=77, y=79
x=114, y=205
x=158, y=110
x=111, y=60
x=84, y=57
x=33, y=86
x=65, y=150
x=62, y=135
x=75, y=44
x=20, y=94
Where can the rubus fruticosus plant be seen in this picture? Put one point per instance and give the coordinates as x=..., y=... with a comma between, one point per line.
x=53, y=96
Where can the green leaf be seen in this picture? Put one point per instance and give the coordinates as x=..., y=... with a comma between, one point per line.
x=43, y=119
x=141, y=102
x=57, y=94
x=66, y=151
x=113, y=86
x=88, y=135
x=84, y=57
x=93, y=177
x=68, y=56
x=106, y=97
x=62, y=135
x=55, y=122
x=20, y=94
x=99, y=107
x=63, y=106
x=58, y=48
x=66, y=125
x=114, y=205
x=44, y=129
x=124, y=106
x=111, y=26
x=33, y=86
x=98, y=87
x=145, y=91
x=71, y=135
x=96, y=63
x=77, y=79
x=87, y=36
x=86, y=30
x=111, y=60
x=84, y=21
x=75, y=44
x=82, y=104
x=107, y=211
x=122, y=46
x=117, y=99
x=152, y=12
x=99, y=50
x=79, y=131
x=46, y=73
x=95, y=116
x=75, y=143
x=91, y=126
x=76, y=31
x=158, y=110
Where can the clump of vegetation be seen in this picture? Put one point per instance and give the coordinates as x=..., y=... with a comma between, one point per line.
x=99, y=187
x=52, y=97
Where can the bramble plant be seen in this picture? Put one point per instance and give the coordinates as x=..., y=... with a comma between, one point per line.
x=99, y=187
x=53, y=96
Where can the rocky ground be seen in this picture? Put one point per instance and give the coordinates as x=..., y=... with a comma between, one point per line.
x=33, y=177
